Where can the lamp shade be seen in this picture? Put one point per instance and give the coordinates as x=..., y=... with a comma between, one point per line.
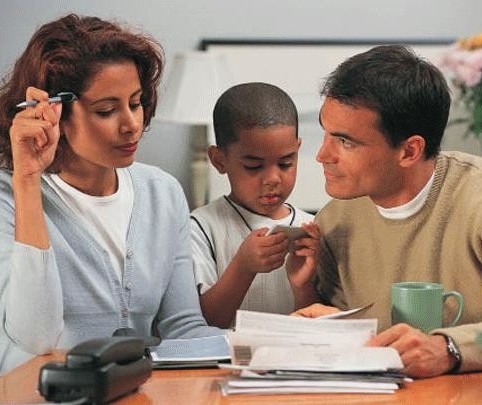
x=195, y=82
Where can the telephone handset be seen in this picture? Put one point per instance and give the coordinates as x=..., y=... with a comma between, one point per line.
x=99, y=370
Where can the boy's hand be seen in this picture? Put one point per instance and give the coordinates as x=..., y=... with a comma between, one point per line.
x=261, y=253
x=303, y=260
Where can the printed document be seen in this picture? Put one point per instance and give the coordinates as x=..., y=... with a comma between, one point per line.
x=256, y=329
x=281, y=354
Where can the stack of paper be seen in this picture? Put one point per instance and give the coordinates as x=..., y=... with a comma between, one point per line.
x=275, y=382
x=284, y=354
x=201, y=352
x=256, y=329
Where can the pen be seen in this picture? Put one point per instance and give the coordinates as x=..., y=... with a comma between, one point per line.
x=62, y=97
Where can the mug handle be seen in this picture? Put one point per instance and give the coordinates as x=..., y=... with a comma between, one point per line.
x=460, y=301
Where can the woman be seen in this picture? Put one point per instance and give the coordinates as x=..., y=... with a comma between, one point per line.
x=90, y=241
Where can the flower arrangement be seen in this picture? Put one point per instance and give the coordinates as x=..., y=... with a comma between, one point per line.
x=463, y=61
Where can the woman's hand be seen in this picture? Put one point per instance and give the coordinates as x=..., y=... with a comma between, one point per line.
x=34, y=135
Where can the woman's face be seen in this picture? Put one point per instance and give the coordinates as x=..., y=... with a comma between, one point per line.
x=106, y=123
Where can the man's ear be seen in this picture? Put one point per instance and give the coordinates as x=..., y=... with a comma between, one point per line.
x=217, y=157
x=412, y=150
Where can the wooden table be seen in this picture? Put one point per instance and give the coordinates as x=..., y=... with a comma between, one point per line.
x=193, y=387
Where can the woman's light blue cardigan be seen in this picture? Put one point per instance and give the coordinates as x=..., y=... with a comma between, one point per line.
x=69, y=293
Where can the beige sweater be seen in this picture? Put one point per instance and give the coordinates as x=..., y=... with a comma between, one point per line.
x=363, y=253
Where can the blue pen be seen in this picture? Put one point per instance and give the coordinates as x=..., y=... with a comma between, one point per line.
x=62, y=97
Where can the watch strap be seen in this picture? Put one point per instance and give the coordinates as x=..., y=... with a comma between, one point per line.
x=453, y=352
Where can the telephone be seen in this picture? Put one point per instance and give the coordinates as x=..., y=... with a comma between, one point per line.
x=99, y=370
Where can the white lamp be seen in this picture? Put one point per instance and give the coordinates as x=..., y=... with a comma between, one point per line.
x=195, y=82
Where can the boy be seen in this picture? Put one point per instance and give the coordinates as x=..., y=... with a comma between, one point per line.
x=237, y=264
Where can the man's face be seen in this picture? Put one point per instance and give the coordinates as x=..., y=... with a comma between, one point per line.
x=356, y=157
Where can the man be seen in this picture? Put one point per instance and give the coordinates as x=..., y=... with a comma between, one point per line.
x=401, y=209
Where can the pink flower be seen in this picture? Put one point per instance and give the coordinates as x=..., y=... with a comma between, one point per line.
x=462, y=62
x=465, y=66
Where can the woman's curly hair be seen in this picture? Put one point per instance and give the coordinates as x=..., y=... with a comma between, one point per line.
x=65, y=54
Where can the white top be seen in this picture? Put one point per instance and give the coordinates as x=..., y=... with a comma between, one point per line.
x=107, y=217
x=410, y=208
x=218, y=229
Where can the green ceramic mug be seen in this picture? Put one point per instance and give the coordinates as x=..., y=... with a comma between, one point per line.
x=421, y=304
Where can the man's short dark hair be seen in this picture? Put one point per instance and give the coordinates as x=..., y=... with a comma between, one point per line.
x=409, y=93
x=251, y=105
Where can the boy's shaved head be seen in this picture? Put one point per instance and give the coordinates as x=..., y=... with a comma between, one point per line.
x=251, y=105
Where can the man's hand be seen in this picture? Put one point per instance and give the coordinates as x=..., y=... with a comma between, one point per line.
x=315, y=310
x=422, y=355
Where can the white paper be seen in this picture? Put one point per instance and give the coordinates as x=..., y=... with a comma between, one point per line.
x=344, y=314
x=291, y=232
x=256, y=329
x=310, y=358
x=195, y=349
x=261, y=383
x=268, y=386
x=243, y=383
x=276, y=323
x=278, y=354
x=302, y=390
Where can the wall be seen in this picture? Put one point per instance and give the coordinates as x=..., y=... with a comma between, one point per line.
x=180, y=24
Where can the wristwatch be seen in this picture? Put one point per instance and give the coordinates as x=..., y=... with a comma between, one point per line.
x=453, y=352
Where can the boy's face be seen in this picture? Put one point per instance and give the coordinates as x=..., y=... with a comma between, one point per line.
x=261, y=168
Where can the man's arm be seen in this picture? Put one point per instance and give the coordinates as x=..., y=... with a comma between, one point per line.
x=428, y=355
